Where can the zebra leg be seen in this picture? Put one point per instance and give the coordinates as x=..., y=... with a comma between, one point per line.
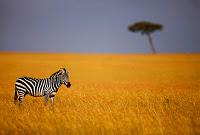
x=16, y=96
x=52, y=102
x=21, y=99
x=46, y=97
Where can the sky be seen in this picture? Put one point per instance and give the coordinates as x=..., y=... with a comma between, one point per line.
x=98, y=26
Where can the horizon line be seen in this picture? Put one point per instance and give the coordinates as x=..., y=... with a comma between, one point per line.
x=98, y=53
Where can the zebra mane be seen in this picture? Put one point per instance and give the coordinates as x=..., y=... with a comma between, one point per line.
x=54, y=74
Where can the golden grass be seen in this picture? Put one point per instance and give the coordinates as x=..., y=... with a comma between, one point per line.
x=110, y=94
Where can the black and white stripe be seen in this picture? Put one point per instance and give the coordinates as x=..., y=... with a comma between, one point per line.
x=47, y=87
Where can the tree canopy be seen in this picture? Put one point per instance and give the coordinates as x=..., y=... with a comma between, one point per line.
x=144, y=27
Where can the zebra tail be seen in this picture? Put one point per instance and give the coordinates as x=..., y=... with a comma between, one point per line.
x=16, y=96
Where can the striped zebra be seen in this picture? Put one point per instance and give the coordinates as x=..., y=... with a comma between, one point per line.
x=47, y=87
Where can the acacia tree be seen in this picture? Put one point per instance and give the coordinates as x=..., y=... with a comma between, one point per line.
x=146, y=28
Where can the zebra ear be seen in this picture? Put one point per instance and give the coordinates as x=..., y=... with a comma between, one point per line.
x=62, y=70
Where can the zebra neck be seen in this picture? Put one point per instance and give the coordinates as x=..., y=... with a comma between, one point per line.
x=56, y=85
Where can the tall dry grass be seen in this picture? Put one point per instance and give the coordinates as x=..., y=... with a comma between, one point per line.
x=110, y=94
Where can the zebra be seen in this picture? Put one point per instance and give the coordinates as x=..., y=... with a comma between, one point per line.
x=47, y=87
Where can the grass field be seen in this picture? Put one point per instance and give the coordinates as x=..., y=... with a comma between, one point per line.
x=110, y=94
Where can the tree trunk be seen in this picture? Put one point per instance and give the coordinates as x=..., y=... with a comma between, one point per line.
x=151, y=43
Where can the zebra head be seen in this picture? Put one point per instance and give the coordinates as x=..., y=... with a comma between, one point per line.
x=64, y=77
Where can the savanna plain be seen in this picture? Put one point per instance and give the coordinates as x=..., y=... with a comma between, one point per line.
x=136, y=94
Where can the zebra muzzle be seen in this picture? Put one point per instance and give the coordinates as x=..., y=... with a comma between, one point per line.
x=68, y=84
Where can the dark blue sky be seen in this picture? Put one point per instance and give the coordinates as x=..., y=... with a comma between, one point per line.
x=97, y=26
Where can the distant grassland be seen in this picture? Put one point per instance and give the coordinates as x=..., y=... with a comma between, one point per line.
x=110, y=94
